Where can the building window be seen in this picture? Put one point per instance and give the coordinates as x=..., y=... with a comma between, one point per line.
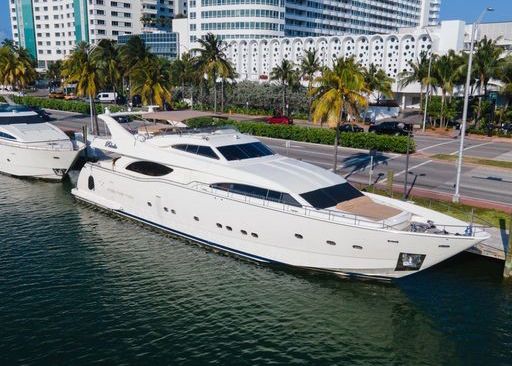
x=149, y=168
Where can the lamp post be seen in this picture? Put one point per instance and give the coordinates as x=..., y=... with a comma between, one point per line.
x=456, y=195
x=428, y=85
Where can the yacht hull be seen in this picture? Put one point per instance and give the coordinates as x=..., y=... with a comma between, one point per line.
x=264, y=233
x=40, y=163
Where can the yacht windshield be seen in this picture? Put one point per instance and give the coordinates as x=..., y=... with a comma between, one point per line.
x=244, y=151
x=331, y=196
x=11, y=120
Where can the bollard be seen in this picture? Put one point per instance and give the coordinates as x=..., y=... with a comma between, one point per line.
x=391, y=175
x=507, y=271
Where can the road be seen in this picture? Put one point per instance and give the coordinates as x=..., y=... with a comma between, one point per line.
x=493, y=184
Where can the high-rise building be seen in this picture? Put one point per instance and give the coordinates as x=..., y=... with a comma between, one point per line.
x=50, y=29
x=252, y=19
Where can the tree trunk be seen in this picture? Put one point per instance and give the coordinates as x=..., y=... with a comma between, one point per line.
x=443, y=99
x=310, y=99
x=283, y=112
x=421, y=97
x=222, y=95
x=336, y=143
x=215, y=96
x=95, y=127
x=191, y=97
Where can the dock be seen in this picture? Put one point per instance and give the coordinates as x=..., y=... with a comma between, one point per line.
x=495, y=247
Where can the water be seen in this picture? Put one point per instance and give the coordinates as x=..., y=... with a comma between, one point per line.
x=79, y=287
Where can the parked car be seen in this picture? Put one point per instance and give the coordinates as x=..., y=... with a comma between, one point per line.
x=280, y=120
x=391, y=128
x=107, y=97
x=136, y=101
x=350, y=127
x=70, y=96
x=56, y=94
x=506, y=128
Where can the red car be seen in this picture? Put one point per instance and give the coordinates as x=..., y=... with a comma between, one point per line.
x=280, y=120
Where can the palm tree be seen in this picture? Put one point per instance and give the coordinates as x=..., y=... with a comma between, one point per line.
x=446, y=71
x=54, y=71
x=184, y=73
x=130, y=54
x=378, y=81
x=287, y=76
x=340, y=90
x=17, y=67
x=505, y=75
x=309, y=66
x=213, y=62
x=151, y=79
x=418, y=73
x=106, y=55
x=487, y=60
x=82, y=68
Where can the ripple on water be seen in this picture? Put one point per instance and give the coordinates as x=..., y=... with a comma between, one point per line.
x=79, y=287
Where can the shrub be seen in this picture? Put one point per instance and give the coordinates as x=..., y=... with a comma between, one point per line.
x=63, y=105
x=323, y=136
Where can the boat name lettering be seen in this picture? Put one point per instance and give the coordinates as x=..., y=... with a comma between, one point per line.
x=110, y=144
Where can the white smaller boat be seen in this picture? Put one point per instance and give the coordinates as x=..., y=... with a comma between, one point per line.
x=30, y=147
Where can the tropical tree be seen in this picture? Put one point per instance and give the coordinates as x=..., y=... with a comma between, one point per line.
x=184, y=73
x=487, y=61
x=446, y=70
x=82, y=68
x=341, y=90
x=54, y=72
x=287, y=76
x=106, y=55
x=417, y=73
x=17, y=67
x=151, y=79
x=505, y=75
x=212, y=61
x=130, y=54
x=309, y=66
x=378, y=81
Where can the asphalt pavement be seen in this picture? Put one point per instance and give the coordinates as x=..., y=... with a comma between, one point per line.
x=480, y=182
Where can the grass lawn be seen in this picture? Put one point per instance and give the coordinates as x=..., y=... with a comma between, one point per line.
x=486, y=217
x=473, y=160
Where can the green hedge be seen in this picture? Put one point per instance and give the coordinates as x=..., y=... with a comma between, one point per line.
x=63, y=105
x=324, y=136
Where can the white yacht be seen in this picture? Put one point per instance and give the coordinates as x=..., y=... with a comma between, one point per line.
x=229, y=191
x=31, y=147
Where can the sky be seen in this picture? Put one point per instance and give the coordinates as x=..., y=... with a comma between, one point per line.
x=467, y=10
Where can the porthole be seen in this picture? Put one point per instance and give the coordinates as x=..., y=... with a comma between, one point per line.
x=254, y=235
x=299, y=236
x=90, y=183
x=357, y=247
x=219, y=226
x=229, y=228
x=172, y=211
x=243, y=232
x=166, y=209
x=196, y=218
x=330, y=242
x=149, y=204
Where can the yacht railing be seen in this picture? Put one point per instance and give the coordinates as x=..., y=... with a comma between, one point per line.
x=336, y=216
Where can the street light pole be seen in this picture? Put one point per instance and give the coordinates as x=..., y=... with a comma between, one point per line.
x=456, y=196
x=428, y=85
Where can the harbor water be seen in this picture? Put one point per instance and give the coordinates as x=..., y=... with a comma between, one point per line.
x=81, y=287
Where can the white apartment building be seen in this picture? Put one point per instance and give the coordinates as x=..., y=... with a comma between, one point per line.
x=50, y=29
x=254, y=19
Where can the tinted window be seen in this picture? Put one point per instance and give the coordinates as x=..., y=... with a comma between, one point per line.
x=197, y=149
x=7, y=136
x=262, y=193
x=245, y=151
x=149, y=168
x=331, y=196
x=21, y=119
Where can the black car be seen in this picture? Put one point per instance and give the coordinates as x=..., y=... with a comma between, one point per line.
x=391, y=128
x=350, y=127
